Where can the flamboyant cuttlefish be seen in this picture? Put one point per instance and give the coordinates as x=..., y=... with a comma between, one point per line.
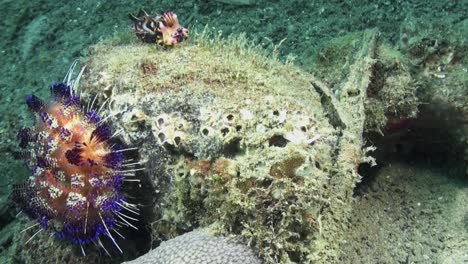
x=164, y=29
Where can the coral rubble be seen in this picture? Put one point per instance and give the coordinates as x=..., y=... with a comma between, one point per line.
x=248, y=146
x=237, y=141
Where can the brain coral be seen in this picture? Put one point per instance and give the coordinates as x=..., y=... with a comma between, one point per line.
x=198, y=247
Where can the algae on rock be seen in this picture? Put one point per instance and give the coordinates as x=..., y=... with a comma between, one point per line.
x=238, y=141
x=391, y=94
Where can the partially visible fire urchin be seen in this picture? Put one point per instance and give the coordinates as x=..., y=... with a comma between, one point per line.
x=75, y=186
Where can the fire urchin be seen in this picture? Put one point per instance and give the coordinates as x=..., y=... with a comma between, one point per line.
x=76, y=173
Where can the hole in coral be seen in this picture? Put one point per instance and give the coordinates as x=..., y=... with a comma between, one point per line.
x=265, y=183
x=276, y=112
x=230, y=117
x=205, y=131
x=317, y=165
x=278, y=141
x=238, y=128
x=160, y=121
x=224, y=131
x=233, y=148
x=177, y=140
x=161, y=137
